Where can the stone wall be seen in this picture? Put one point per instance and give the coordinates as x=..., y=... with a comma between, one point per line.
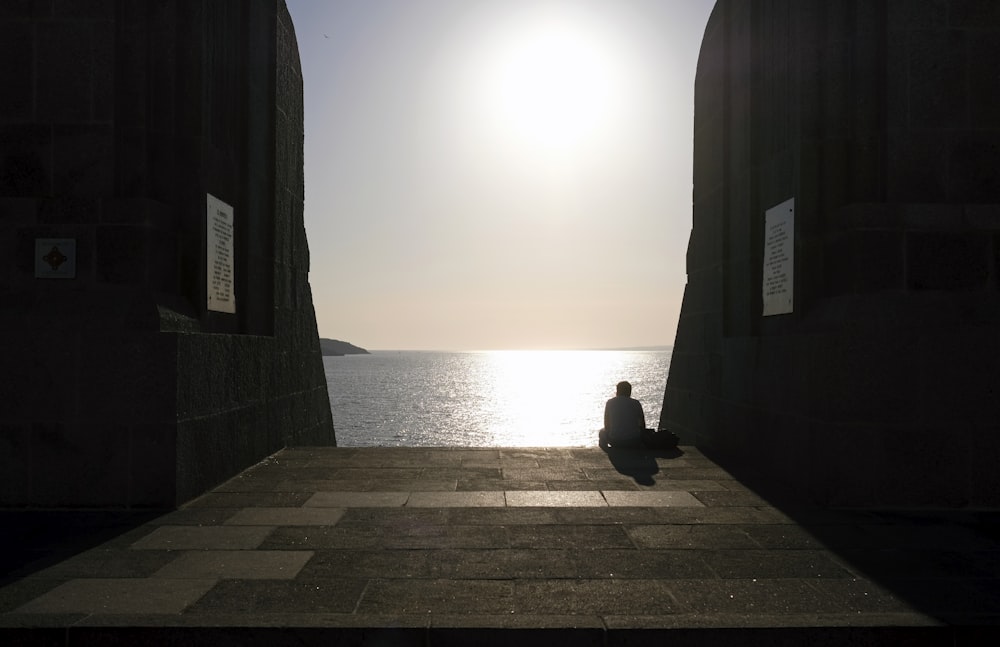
x=880, y=118
x=121, y=387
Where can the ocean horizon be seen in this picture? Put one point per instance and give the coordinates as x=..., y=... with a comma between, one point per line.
x=491, y=398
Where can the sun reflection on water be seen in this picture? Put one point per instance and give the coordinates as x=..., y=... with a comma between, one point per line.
x=539, y=393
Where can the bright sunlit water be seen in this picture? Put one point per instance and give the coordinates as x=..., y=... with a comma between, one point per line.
x=487, y=398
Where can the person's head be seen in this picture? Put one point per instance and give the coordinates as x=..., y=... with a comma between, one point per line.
x=623, y=389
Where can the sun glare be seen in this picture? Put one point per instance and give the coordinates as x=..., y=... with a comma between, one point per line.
x=539, y=393
x=551, y=82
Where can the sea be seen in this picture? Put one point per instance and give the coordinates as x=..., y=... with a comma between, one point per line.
x=530, y=398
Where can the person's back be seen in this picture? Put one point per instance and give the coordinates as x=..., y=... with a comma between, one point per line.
x=624, y=420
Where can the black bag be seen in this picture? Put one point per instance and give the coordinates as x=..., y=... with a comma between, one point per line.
x=659, y=439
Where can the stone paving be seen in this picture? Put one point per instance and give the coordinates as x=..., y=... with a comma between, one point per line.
x=445, y=545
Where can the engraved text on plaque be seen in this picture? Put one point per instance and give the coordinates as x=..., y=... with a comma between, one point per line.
x=219, y=256
x=779, y=258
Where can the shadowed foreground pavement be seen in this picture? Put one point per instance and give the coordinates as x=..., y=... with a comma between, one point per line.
x=443, y=546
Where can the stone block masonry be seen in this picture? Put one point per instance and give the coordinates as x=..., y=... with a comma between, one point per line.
x=121, y=386
x=879, y=119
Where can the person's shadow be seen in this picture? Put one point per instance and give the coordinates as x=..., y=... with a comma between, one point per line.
x=640, y=464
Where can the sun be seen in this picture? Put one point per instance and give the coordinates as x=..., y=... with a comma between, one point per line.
x=551, y=82
x=552, y=86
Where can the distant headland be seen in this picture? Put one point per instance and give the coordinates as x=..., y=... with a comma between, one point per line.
x=337, y=348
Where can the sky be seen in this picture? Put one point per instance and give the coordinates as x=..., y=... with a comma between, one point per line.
x=498, y=174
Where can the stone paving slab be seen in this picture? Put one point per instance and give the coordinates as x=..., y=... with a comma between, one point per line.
x=358, y=499
x=554, y=499
x=204, y=537
x=286, y=517
x=455, y=499
x=439, y=546
x=115, y=595
x=652, y=499
x=236, y=564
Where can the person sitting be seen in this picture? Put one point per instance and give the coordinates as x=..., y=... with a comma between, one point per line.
x=624, y=420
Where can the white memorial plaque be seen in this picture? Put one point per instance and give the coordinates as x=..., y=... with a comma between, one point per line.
x=779, y=258
x=219, y=253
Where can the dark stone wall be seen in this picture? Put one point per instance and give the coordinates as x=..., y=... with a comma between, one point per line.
x=120, y=387
x=880, y=119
